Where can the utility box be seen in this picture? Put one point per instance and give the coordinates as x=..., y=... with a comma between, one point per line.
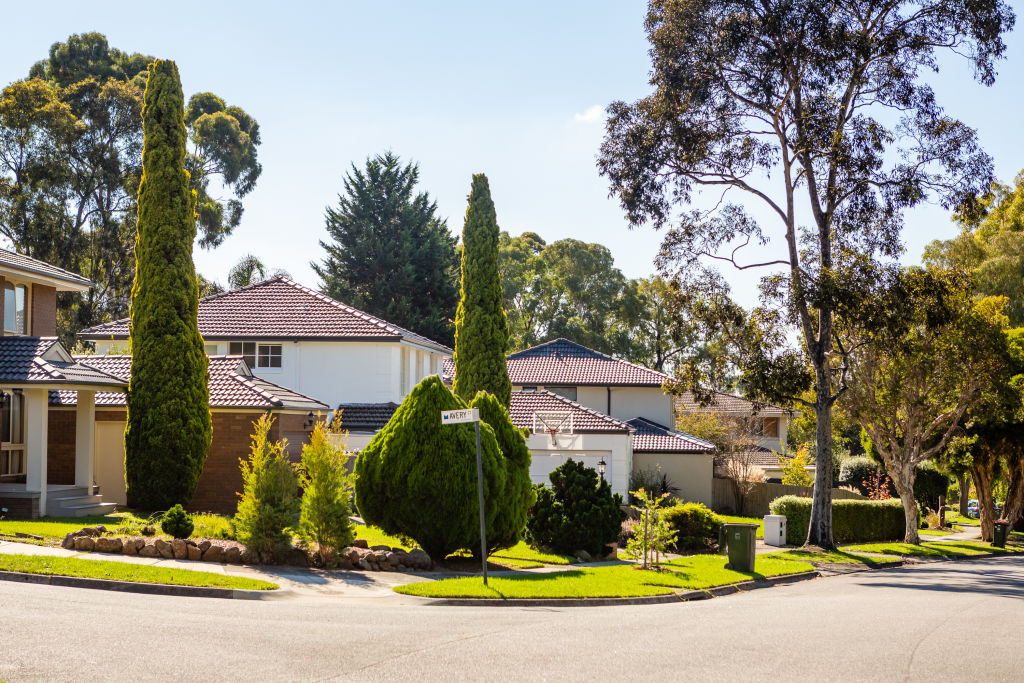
x=742, y=546
x=775, y=530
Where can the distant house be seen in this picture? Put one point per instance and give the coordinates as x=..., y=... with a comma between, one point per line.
x=767, y=424
x=296, y=337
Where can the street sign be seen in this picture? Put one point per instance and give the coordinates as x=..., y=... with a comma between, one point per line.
x=453, y=417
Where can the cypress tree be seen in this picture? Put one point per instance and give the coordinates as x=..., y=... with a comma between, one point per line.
x=481, y=330
x=168, y=433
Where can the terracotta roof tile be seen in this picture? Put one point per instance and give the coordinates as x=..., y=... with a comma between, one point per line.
x=526, y=403
x=28, y=264
x=724, y=403
x=41, y=360
x=651, y=437
x=364, y=417
x=279, y=308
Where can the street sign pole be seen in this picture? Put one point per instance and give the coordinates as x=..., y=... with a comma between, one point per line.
x=449, y=417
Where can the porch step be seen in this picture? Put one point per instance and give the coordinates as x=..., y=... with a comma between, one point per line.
x=78, y=501
x=86, y=509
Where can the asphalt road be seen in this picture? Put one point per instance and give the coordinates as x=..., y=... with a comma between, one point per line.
x=948, y=621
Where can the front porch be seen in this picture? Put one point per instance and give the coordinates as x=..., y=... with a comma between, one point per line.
x=62, y=500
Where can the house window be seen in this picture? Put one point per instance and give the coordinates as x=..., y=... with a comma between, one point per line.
x=211, y=349
x=770, y=427
x=567, y=392
x=15, y=309
x=12, y=442
x=257, y=355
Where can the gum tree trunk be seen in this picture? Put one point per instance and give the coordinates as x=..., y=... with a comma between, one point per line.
x=1014, y=505
x=965, y=492
x=819, y=532
x=903, y=479
x=983, y=476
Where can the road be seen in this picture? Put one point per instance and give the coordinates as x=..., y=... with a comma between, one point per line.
x=948, y=621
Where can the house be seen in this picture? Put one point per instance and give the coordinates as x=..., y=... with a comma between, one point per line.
x=766, y=425
x=298, y=338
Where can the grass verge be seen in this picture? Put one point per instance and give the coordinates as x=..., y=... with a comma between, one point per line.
x=688, y=573
x=825, y=558
x=931, y=549
x=746, y=520
x=126, y=571
x=933, y=532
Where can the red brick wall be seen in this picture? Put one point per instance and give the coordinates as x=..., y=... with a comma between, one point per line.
x=21, y=508
x=44, y=311
x=60, y=447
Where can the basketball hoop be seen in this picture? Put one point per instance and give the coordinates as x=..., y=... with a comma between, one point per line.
x=552, y=423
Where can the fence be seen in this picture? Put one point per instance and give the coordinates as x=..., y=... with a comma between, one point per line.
x=723, y=496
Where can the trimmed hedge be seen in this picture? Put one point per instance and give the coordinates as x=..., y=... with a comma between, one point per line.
x=695, y=525
x=853, y=521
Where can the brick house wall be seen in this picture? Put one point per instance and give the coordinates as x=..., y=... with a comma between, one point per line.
x=43, y=316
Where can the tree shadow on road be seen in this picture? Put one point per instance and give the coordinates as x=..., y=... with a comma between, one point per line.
x=1002, y=577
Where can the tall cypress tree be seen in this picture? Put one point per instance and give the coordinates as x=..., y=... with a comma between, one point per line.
x=481, y=330
x=169, y=430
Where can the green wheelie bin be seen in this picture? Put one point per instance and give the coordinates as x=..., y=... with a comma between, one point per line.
x=741, y=541
x=1000, y=530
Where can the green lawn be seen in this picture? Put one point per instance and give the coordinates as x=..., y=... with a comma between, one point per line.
x=374, y=536
x=816, y=558
x=932, y=549
x=120, y=523
x=525, y=553
x=957, y=518
x=125, y=571
x=688, y=573
x=746, y=520
x=933, y=532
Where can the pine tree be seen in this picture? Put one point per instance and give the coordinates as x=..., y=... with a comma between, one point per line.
x=390, y=254
x=481, y=330
x=169, y=429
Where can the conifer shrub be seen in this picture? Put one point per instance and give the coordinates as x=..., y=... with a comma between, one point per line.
x=696, y=527
x=417, y=478
x=168, y=431
x=518, y=496
x=270, y=500
x=578, y=512
x=326, y=490
x=177, y=523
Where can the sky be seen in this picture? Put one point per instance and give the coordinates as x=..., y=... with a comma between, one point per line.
x=513, y=90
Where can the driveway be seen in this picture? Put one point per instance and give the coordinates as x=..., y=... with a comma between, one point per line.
x=945, y=620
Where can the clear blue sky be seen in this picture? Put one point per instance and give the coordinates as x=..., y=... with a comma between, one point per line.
x=461, y=88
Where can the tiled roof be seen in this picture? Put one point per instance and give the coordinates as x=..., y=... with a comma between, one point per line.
x=651, y=437
x=41, y=360
x=526, y=403
x=279, y=308
x=27, y=264
x=724, y=403
x=364, y=417
x=231, y=384
x=564, y=362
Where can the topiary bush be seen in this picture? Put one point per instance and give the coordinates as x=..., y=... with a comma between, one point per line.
x=518, y=496
x=177, y=523
x=578, y=512
x=270, y=500
x=853, y=521
x=417, y=477
x=696, y=527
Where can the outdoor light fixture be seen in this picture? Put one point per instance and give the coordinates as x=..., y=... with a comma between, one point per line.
x=310, y=419
x=601, y=465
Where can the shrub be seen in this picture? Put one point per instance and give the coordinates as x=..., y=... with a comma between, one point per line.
x=860, y=473
x=326, y=490
x=652, y=535
x=929, y=484
x=270, y=498
x=696, y=527
x=518, y=496
x=417, y=477
x=852, y=520
x=578, y=512
x=177, y=523
x=652, y=480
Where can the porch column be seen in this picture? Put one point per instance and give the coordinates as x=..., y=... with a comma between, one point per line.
x=37, y=423
x=85, y=438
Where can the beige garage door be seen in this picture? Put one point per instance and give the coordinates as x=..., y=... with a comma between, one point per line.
x=108, y=462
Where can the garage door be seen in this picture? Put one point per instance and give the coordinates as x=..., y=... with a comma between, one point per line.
x=542, y=464
x=108, y=462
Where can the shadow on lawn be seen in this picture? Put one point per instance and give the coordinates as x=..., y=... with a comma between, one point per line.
x=960, y=578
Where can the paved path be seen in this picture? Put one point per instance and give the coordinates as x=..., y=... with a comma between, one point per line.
x=938, y=621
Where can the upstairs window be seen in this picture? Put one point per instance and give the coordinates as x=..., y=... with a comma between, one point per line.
x=15, y=309
x=257, y=355
x=565, y=392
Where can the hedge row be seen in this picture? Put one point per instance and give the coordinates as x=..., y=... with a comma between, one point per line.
x=853, y=521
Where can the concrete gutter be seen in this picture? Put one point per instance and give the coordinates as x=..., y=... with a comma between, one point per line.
x=147, y=588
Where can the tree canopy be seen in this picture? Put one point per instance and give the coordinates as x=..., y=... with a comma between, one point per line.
x=389, y=252
x=70, y=166
x=820, y=114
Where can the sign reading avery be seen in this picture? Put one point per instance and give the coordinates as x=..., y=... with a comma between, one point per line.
x=451, y=417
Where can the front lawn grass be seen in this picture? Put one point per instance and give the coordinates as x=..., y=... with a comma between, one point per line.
x=126, y=571
x=826, y=558
x=934, y=532
x=746, y=520
x=931, y=549
x=687, y=573
x=523, y=556
x=957, y=518
x=127, y=523
x=374, y=536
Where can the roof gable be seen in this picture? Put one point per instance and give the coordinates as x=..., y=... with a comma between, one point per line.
x=584, y=419
x=564, y=362
x=280, y=308
x=45, y=361
x=64, y=280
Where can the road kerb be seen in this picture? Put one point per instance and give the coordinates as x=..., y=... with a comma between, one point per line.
x=146, y=588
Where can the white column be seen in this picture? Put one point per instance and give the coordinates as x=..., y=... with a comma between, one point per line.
x=85, y=438
x=36, y=425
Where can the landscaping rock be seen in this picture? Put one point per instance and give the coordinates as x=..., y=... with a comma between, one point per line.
x=233, y=555
x=194, y=553
x=148, y=531
x=149, y=550
x=213, y=554
x=360, y=543
x=350, y=554
x=180, y=549
x=248, y=556
x=129, y=547
x=100, y=528
x=385, y=548
x=85, y=543
x=22, y=534
x=393, y=559
x=69, y=540
x=401, y=568
x=364, y=565
x=165, y=549
x=583, y=556
x=105, y=544
x=204, y=545
x=419, y=559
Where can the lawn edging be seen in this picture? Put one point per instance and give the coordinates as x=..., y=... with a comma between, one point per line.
x=675, y=596
x=146, y=588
